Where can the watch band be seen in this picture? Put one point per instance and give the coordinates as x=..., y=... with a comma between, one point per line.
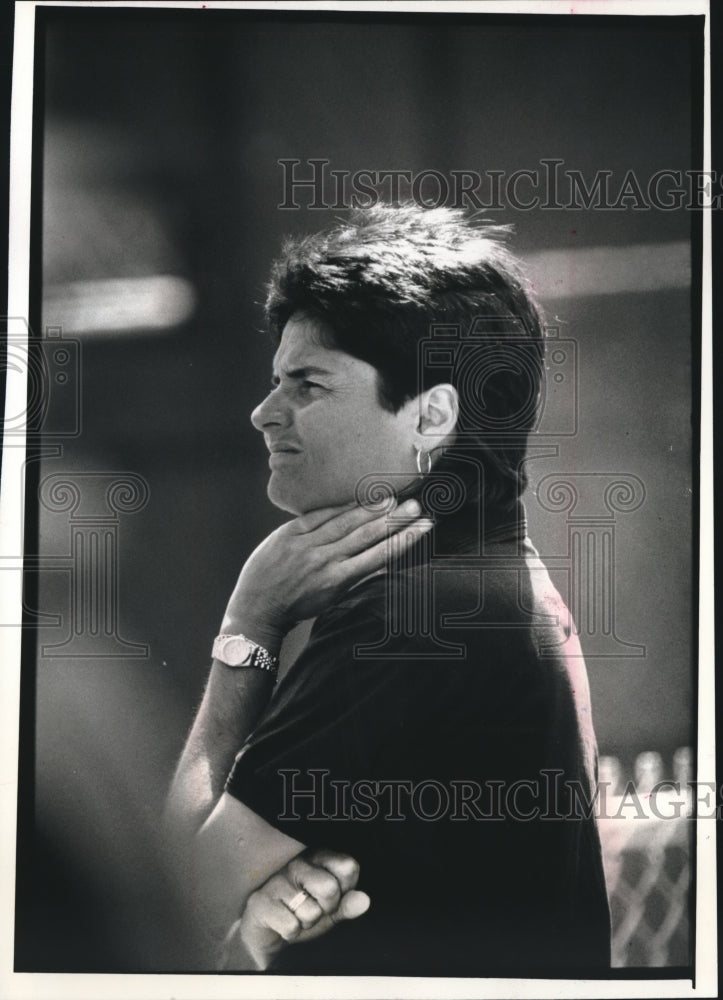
x=254, y=656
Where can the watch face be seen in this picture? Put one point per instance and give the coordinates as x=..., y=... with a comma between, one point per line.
x=236, y=651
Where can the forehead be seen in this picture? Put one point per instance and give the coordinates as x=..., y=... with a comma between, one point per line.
x=304, y=343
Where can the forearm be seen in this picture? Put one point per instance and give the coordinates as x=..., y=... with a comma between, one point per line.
x=232, y=704
x=234, y=853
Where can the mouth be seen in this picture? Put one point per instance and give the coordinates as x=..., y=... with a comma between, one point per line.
x=283, y=449
x=281, y=454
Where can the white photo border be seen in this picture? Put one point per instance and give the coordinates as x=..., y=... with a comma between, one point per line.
x=40, y=985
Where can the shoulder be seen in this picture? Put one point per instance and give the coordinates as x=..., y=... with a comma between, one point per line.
x=500, y=586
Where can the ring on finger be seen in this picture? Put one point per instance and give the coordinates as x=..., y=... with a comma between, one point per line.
x=297, y=900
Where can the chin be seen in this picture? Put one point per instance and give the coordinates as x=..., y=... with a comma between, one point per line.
x=285, y=497
x=281, y=499
x=296, y=502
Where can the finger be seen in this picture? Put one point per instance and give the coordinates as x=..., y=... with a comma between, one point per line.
x=353, y=905
x=367, y=535
x=307, y=912
x=348, y=521
x=313, y=519
x=342, y=866
x=321, y=884
x=279, y=886
x=378, y=556
x=267, y=912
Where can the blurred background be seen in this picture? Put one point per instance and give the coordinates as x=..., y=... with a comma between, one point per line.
x=159, y=136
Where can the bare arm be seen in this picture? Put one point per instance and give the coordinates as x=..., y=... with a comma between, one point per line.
x=236, y=851
x=233, y=702
x=211, y=838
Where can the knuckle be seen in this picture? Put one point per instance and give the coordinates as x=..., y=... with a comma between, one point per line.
x=318, y=855
x=343, y=867
x=315, y=559
x=347, y=870
x=295, y=870
x=326, y=886
x=301, y=873
x=325, y=889
x=309, y=914
x=352, y=867
x=289, y=927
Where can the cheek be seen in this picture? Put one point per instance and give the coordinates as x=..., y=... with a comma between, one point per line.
x=387, y=441
x=343, y=444
x=331, y=436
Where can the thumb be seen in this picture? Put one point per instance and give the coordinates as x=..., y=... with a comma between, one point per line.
x=352, y=905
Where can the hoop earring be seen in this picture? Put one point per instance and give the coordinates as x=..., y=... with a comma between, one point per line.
x=427, y=461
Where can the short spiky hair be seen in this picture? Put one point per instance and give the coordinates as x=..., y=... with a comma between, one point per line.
x=382, y=278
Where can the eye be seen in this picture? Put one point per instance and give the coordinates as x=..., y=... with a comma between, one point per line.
x=301, y=386
x=307, y=387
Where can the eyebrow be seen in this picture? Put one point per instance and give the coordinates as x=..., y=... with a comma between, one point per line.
x=301, y=373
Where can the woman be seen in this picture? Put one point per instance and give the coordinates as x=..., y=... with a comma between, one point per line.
x=417, y=744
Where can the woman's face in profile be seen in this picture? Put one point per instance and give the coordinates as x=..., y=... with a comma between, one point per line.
x=324, y=425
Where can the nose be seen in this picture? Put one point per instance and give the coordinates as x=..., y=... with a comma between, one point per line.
x=271, y=410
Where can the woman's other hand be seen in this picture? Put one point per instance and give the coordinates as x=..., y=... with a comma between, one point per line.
x=302, y=901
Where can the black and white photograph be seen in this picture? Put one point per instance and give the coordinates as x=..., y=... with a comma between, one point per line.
x=355, y=554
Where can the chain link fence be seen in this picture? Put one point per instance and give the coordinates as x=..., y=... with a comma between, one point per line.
x=647, y=843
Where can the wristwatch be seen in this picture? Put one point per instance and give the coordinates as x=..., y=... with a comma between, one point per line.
x=238, y=651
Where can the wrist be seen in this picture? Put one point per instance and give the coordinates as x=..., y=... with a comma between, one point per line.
x=262, y=633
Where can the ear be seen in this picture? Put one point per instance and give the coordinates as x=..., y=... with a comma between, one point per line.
x=438, y=413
